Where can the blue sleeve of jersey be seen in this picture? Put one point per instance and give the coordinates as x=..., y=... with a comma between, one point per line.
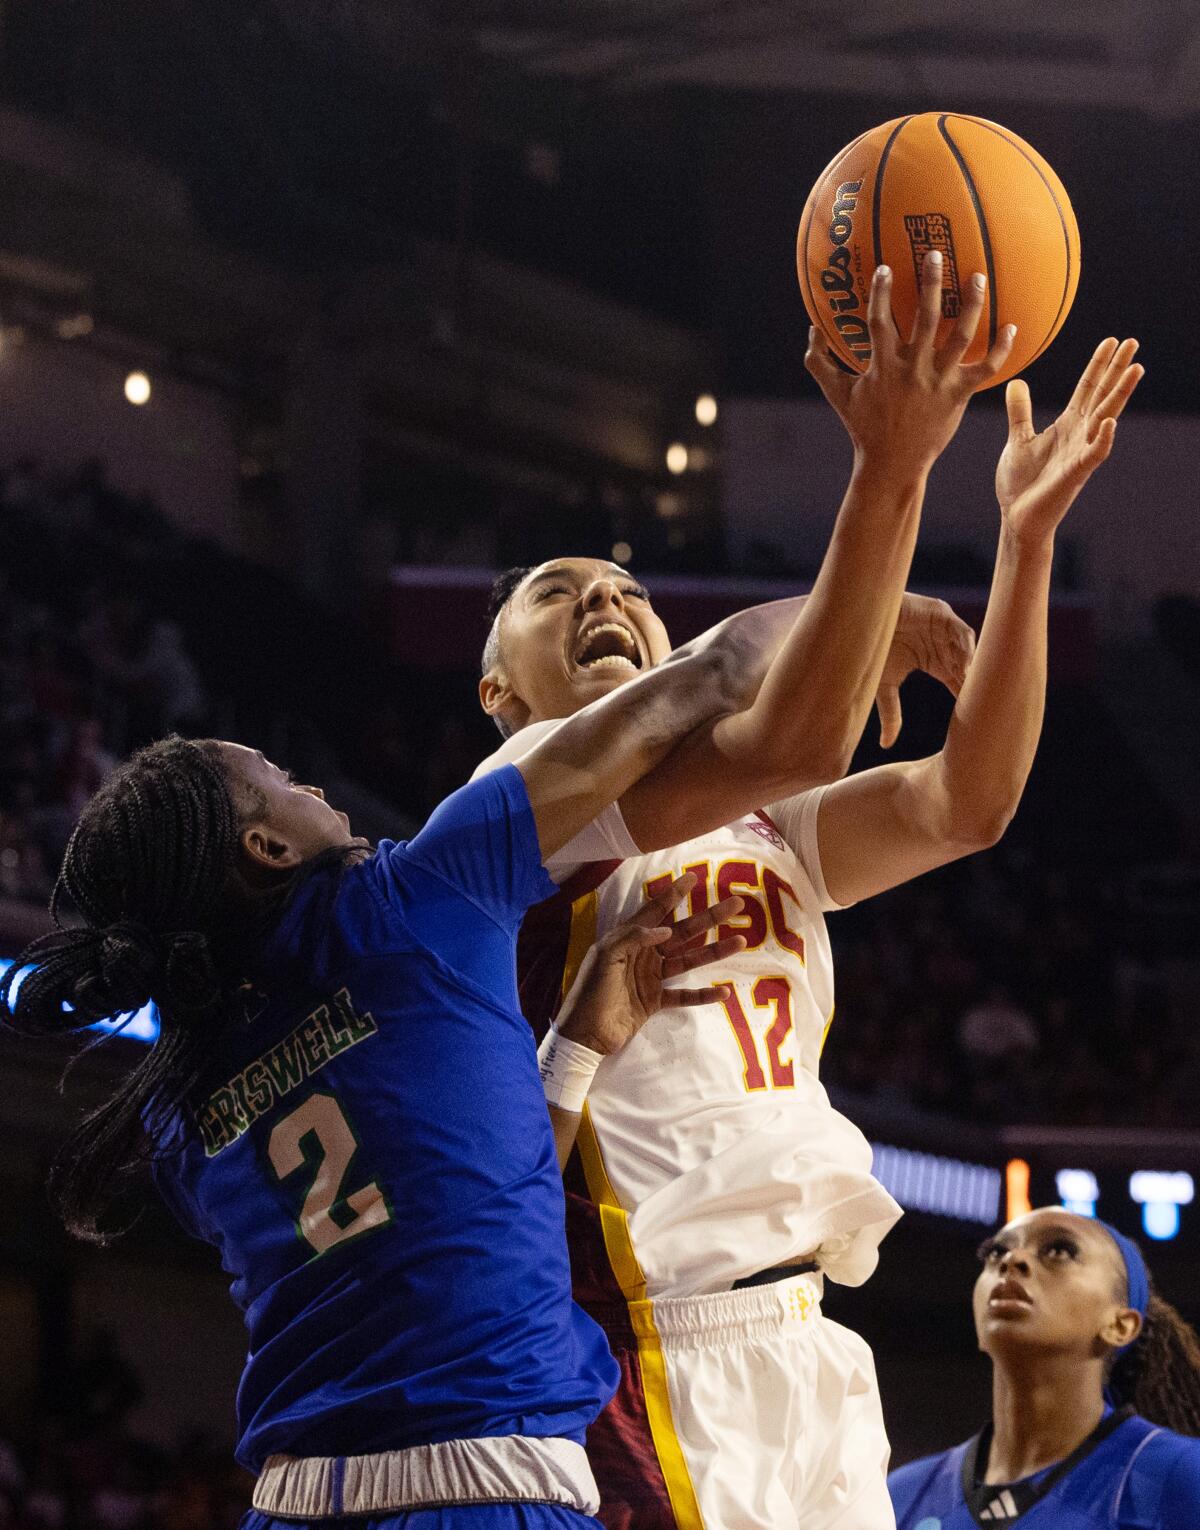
x=483, y=842
x=1179, y=1506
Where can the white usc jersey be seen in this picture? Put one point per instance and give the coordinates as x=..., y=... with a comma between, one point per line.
x=709, y=1142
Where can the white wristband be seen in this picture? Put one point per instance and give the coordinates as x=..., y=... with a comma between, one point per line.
x=567, y=1070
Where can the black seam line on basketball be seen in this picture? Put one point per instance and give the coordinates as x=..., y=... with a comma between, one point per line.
x=805, y=279
x=983, y=228
x=1013, y=143
x=877, y=203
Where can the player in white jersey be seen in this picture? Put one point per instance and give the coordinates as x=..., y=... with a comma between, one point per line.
x=717, y=1172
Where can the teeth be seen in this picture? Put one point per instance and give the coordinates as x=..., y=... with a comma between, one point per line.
x=590, y=642
x=610, y=661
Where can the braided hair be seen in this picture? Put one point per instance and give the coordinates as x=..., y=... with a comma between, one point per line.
x=152, y=871
x=1159, y=1374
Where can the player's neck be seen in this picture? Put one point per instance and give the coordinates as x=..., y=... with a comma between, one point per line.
x=1040, y=1413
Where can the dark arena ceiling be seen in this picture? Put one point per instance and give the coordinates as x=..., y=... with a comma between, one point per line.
x=658, y=151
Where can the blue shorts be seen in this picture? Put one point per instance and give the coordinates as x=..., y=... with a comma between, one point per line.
x=484, y=1516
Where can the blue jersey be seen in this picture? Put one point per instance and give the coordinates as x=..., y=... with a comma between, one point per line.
x=373, y=1158
x=1137, y=1477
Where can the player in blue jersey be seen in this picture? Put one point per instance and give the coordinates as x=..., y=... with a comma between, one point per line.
x=360, y=1129
x=1095, y=1394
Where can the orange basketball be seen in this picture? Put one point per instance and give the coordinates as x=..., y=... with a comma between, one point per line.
x=939, y=181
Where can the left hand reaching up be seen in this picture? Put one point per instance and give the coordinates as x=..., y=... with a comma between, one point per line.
x=1040, y=473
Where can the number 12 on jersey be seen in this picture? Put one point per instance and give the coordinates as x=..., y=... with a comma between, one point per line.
x=773, y=994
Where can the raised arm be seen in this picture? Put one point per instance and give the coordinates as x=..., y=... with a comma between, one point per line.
x=809, y=711
x=887, y=825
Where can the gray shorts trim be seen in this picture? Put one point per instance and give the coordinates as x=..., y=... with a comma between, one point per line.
x=502, y=1469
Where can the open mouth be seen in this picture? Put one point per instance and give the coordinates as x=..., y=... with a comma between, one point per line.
x=608, y=645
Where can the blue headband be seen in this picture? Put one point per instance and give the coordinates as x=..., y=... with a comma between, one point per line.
x=1136, y=1273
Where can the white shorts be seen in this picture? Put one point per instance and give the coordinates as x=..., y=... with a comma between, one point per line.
x=773, y=1408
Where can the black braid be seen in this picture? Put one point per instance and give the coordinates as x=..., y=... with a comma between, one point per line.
x=1160, y=1373
x=151, y=868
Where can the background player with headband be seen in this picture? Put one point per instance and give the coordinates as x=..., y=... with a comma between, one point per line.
x=1095, y=1381
x=712, y=1157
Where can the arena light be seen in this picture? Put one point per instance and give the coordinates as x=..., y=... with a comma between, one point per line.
x=706, y=409
x=1160, y=1197
x=1078, y=1191
x=137, y=388
x=621, y=552
x=139, y=1025
x=677, y=458
x=946, y=1187
x=1016, y=1185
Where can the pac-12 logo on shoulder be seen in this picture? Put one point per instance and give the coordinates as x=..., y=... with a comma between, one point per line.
x=766, y=831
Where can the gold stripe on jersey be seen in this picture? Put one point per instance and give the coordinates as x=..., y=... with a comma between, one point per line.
x=614, y=1221
x=825, y=1032
x=618, y=1245
x=585, y=915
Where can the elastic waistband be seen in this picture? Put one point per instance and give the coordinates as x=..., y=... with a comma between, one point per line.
x=753, y=1312
x=500, y=1469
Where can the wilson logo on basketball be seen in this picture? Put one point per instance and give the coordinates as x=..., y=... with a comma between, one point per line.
x=837, y=276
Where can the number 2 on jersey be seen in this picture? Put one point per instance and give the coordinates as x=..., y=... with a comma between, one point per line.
x=328, y=1216
x=767, y=993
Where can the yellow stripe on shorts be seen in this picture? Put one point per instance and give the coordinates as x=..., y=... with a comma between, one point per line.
x=618, y=1245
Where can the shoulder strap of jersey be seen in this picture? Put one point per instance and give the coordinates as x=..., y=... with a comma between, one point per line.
x=997, y=1503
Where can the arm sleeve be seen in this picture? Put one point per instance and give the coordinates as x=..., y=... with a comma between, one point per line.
x=483, y=842
x=606, y=838
x=796, y=819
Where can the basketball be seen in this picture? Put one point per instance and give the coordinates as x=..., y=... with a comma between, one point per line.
x=939, y=181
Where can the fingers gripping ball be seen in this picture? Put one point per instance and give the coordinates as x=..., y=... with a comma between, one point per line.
x=940, y=181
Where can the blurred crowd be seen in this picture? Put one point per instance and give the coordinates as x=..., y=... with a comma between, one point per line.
x=81, y=1467
x=82, y=680
x=1003, y=990
x=111, y=1481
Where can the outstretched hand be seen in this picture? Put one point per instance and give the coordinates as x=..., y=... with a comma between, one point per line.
x=622, y=979
x=904, y=409
x=1040, y=474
